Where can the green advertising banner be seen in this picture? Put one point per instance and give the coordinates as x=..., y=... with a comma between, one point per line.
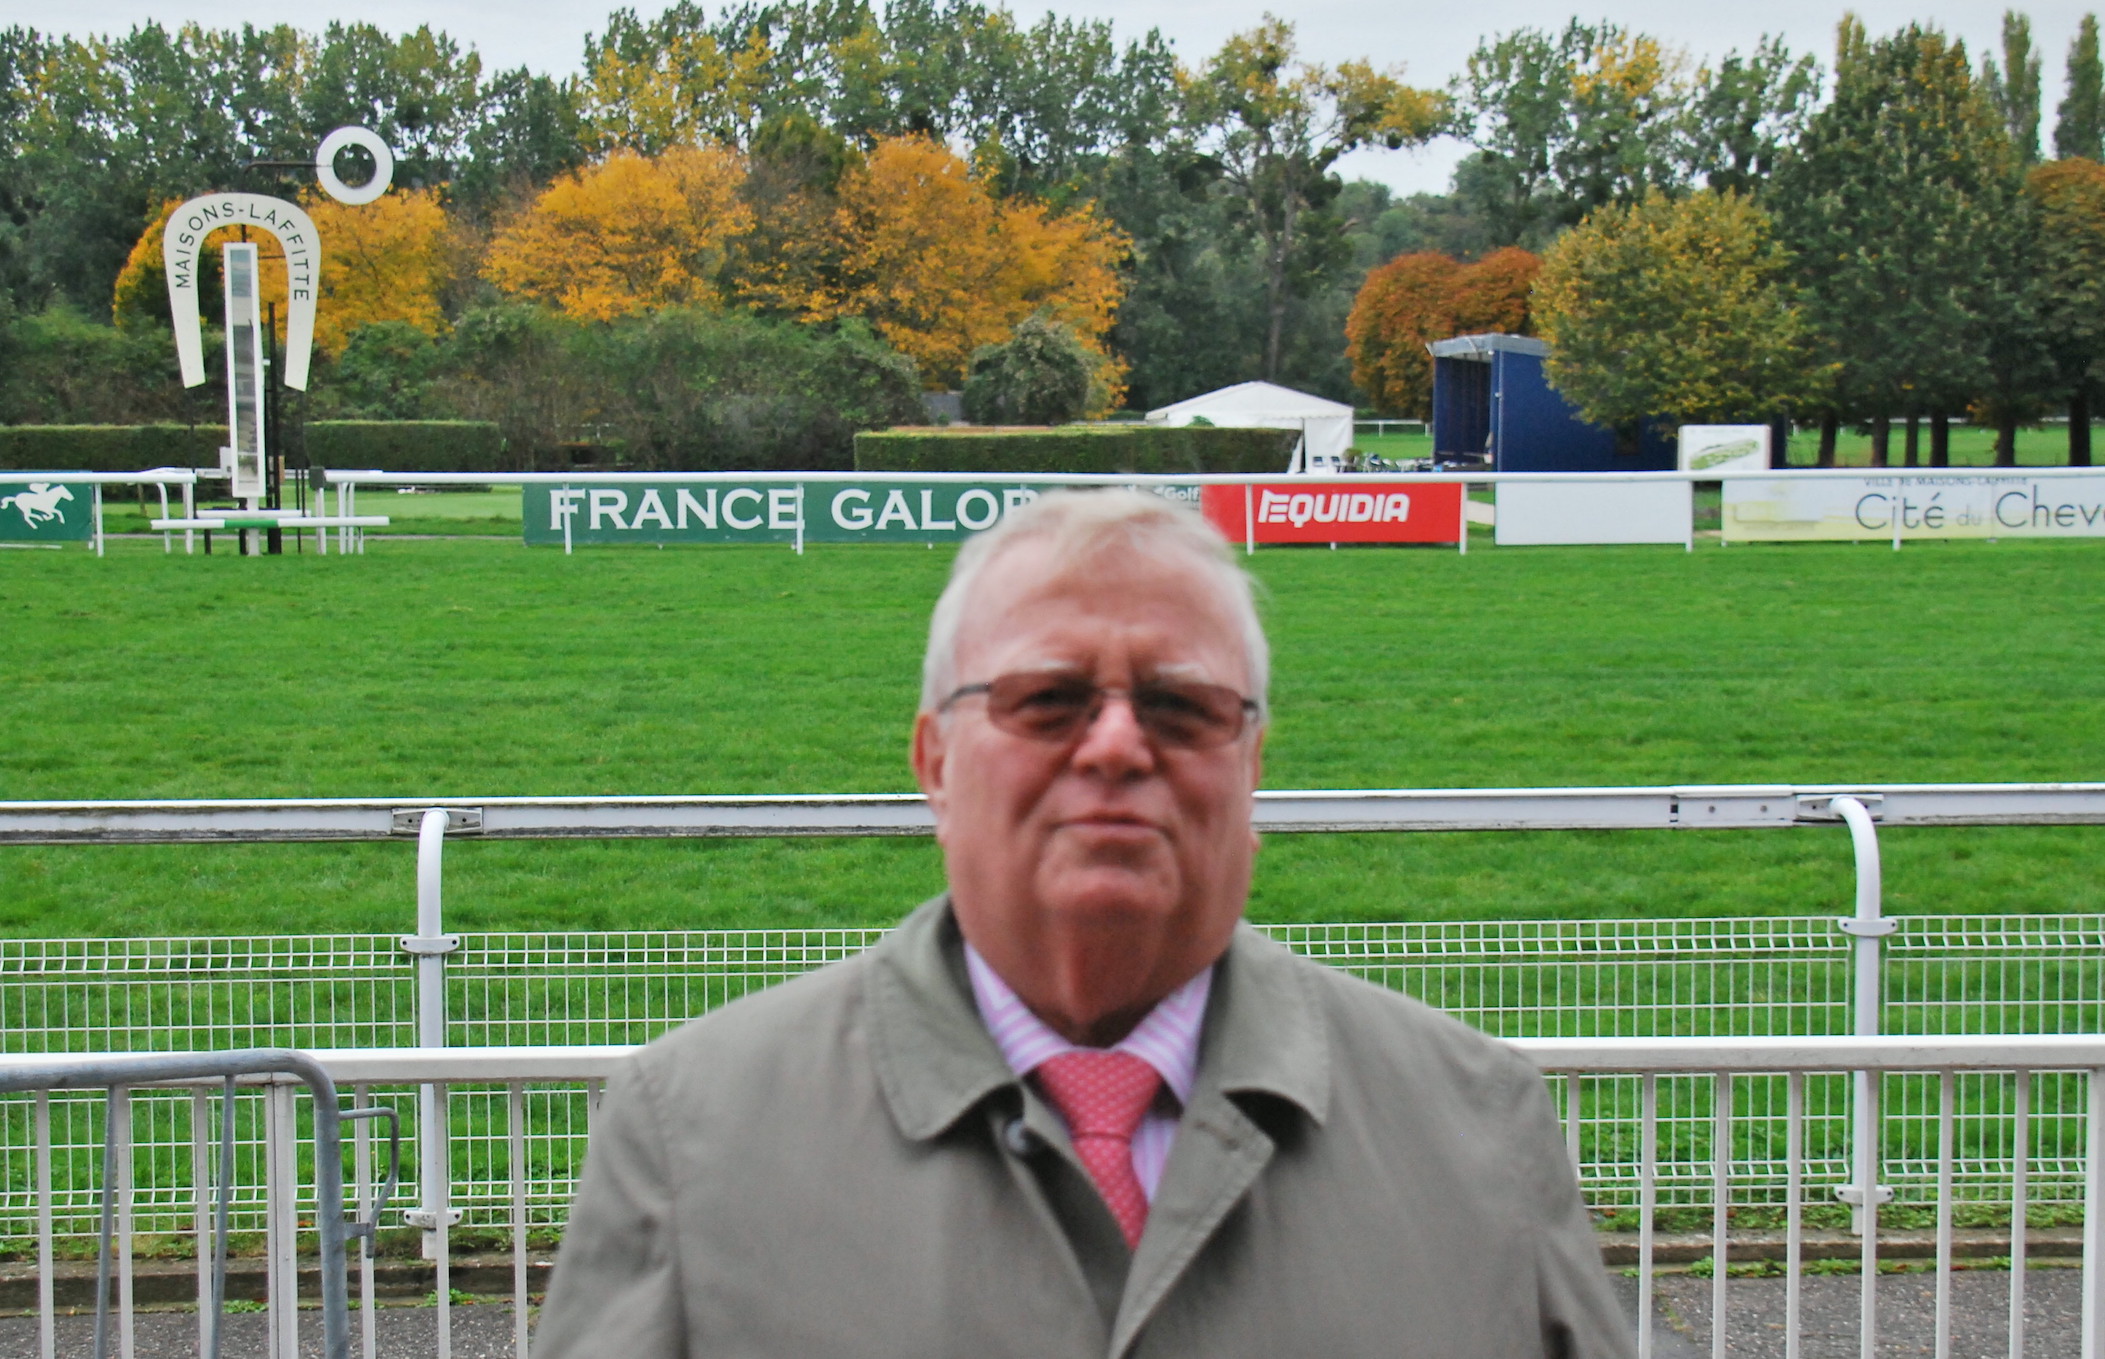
x=881, y=510
x=47, y=511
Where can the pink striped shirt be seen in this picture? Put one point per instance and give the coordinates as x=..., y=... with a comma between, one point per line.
x=1167, y=1040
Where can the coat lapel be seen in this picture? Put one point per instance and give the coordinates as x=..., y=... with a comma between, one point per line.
x=1263, y=1036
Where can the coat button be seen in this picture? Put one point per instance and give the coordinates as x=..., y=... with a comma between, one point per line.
x=1018, y=1138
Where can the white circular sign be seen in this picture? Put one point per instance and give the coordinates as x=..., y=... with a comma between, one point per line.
x=383, y=165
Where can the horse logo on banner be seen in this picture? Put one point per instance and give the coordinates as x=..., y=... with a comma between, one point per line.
x=39, y=504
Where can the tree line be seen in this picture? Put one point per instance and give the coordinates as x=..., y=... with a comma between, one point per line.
x=922, y=181
x=1891, y=252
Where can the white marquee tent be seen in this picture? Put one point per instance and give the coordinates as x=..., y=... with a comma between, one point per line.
x=1326, y=426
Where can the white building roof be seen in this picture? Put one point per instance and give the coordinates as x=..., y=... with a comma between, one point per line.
x=1253, y=399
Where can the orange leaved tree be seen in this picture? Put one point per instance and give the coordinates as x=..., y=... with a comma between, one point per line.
x=940, y=266
x=1418, y=298
x=388, y=260
x=628, y=235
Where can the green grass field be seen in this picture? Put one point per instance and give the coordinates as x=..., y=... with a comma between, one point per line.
x=476, y=667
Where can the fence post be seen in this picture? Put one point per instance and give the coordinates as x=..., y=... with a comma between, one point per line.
x=2094, y=1221
x=431, y=945
x=1864, y=1193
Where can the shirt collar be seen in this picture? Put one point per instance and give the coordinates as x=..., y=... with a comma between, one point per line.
x=934, y=1059
x=1167, y=1039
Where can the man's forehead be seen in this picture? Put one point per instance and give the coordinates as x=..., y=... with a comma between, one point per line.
x=1030, y=599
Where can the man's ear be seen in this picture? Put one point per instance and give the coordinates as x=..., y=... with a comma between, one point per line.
x=928, y=763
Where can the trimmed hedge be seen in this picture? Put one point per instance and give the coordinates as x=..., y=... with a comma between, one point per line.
x=1130, y=448
x=108, y=448
x=407, y=446
x=381, y=445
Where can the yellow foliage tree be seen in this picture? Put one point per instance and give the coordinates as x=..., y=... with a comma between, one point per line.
x=940, y=266
x=388, y=260
x=628, y=235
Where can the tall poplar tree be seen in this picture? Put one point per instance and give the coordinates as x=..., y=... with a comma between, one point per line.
x=2079, y=128
x=2015, y=88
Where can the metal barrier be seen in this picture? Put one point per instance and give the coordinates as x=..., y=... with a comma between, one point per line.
x=116, y=1075
x=1750, y=1107
x=504, y=989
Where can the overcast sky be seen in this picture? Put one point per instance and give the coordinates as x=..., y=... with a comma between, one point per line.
x=1430, y=40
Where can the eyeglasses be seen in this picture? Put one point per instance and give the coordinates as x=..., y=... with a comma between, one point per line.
x=1056, y=706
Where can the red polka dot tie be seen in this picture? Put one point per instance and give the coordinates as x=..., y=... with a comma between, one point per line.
x=1103, y=1096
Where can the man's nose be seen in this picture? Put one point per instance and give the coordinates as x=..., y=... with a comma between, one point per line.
x=1114, y=743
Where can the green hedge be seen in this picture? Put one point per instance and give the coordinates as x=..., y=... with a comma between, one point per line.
x=383, y=445
x=1132, y=448
x=407, y=445
x=108, y=448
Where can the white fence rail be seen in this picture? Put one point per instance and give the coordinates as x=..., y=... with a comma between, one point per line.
x=1747, y=1108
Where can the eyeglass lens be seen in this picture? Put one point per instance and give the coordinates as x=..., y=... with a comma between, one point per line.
x=1054, y=707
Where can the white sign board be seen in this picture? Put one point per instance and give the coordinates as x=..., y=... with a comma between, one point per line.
x=1585, y=511
x=1996, y=505
x=1724, y=448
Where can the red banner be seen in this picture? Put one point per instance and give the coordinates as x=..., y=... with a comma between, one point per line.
x=1338, y=510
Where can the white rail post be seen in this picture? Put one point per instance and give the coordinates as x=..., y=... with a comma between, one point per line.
x=1869, y=928
x=431, y=945
x=2094, y=1221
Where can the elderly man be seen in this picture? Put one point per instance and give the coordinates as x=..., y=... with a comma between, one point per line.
x=1075, y=1107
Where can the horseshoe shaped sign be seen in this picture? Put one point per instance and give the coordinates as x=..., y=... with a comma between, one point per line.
x=189, y=224
x=184, y=238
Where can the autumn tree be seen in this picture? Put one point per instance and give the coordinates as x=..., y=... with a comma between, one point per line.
x=940, y=266
x=1274, y=126
x=627, y=235
x=2069, y=198
x=388, y=260
x=1424, y=296
x=1678, y=309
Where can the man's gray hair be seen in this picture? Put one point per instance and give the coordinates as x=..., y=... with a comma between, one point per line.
x=1078, y=525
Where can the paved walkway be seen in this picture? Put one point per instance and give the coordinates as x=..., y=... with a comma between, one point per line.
x=1980, y=1322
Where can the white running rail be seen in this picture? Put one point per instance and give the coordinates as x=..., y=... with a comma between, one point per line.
x=1729, y=1076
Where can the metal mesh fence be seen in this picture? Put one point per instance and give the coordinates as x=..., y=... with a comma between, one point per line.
x=1724, y=977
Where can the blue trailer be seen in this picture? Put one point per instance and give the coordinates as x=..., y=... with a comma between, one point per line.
x=1493, y=407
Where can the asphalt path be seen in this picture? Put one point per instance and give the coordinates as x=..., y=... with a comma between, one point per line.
x=1681, y=1327
x=1829, y=1321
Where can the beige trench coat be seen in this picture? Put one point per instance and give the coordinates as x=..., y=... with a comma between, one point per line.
x=844, y=1166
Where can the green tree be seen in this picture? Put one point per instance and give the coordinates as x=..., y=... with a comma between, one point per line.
x=1565, y=123
x=1895, y=204
x=1745, y=113
x=2069, y=197
x=530, y=129
x=1274, y=127
x=2079, y=124
x=1041, y=375
x=1675, y=308
x=2015, y=87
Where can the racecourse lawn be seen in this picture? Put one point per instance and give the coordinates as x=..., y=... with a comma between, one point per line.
x=479, y=667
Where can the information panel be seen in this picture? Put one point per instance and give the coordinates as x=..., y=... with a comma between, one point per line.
x=46, y=511
x=1991, y=505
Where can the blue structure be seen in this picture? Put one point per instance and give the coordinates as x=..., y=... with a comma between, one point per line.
x=1493, y=407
